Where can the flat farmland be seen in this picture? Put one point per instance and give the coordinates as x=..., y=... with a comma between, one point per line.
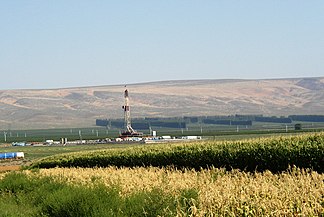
x=206, y=130
x=268, y=176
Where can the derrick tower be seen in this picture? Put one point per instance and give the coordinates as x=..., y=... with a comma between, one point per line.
x=129, y=131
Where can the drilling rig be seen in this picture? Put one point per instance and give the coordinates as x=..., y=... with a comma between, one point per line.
x=128, y=131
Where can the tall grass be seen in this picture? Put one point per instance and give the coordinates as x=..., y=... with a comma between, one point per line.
x=211, y=192
x=23, y=195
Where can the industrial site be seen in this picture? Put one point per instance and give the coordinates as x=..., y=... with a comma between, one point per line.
x=161, y=108
x=162, y=130
x=128, y=135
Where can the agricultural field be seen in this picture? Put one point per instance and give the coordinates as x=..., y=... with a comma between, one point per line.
x=210, y=192
x=41, y=135
x=274, y=176
x=275, y=154
x=33, y=153
x=205, y=130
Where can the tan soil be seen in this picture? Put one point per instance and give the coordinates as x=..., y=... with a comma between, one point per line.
x=12, y=165
x=9, y=168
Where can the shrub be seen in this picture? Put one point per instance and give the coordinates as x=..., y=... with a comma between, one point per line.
x=25, y=196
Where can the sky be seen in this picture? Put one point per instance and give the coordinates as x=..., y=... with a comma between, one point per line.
x=74, y=43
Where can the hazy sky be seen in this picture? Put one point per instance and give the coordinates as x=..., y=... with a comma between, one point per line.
x=68, y=43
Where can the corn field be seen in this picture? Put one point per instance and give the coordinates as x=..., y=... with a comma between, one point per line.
x=274, y=154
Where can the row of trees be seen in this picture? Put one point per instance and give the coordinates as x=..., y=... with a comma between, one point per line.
x=181, y=122
x=141, y=124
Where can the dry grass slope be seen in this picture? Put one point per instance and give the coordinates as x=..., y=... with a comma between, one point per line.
x=81, y=106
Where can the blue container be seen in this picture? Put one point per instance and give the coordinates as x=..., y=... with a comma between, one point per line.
x=8, y=155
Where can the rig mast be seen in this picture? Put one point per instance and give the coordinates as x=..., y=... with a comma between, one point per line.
x=129, y=131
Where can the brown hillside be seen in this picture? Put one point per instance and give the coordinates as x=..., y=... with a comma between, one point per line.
x=74, y=107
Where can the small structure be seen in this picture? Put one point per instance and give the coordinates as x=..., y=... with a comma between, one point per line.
x=192, y=137
x=63, y=141
x=19, y=144
x=49, y=142
x=166, y=137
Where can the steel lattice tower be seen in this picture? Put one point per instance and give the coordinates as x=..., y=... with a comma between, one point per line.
x=129, y=131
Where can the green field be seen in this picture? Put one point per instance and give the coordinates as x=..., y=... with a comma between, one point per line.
x=272, y=176
x=275, y=154
x=37, y=152
x=41, y=135
x=267, y=169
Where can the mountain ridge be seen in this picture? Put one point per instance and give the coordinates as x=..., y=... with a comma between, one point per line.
x=80, y=106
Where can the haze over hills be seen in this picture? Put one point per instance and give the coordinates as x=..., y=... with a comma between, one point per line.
x=76, y=107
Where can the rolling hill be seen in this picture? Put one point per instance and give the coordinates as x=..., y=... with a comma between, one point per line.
x=75, y=107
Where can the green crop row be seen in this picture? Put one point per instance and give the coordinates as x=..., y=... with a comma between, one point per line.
x=274, y=154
